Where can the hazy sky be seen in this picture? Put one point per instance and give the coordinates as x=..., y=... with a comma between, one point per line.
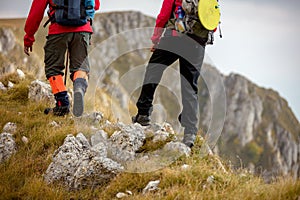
x=260, y=39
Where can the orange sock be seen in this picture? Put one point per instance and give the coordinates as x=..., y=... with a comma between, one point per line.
x=57, y=84
x=80, y=74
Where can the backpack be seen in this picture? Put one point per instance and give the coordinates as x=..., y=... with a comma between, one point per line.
x=192, y=22
x=71, y=12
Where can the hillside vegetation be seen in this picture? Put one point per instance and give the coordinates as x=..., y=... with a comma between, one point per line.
x=21, y=176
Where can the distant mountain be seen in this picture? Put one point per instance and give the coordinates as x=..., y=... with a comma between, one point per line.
x=260, y=130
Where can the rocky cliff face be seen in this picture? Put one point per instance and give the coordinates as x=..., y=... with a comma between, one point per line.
x=259, y=127
x=268, y=133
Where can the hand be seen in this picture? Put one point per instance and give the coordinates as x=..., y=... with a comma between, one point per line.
x=153, y=47
x=27, y=49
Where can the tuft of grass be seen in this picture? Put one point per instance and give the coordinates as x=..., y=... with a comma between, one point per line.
x=150, y=146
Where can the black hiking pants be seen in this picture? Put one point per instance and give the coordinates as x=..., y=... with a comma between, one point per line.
x=190, y=55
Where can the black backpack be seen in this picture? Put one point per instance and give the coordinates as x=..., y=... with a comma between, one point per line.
x=71, y=12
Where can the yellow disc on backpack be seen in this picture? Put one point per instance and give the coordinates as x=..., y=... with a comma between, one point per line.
x=209, y=13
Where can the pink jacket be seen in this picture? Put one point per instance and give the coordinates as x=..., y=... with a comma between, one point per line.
x=36, y=15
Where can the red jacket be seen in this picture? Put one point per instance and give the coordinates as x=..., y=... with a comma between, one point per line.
x=36, y=15
x=163, y=17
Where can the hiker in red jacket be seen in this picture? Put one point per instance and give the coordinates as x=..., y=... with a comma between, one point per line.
x=169, y=45
x=62, y=38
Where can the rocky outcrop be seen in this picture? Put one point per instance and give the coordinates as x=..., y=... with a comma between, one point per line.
x=285, y=150
x=243, y=105
x=39, y=91
x=77, y=164
x=89, y=161
x=125, y=142
x=8, y=145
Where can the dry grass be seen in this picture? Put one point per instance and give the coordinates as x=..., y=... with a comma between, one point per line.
x=21, y=176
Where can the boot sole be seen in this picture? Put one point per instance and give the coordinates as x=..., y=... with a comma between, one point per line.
x=78, y=104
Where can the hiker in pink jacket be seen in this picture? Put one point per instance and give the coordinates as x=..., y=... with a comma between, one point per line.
x=169, y=45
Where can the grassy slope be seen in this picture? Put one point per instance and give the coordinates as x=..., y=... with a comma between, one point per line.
x=21, y=176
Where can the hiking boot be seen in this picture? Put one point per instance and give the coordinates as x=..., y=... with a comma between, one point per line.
x=143, y=120
x=61, y=110
x=79, y=88
x=189, y=139
x=62, y=107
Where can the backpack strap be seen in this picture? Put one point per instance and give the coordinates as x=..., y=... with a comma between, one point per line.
x=50, y=19
x=50, y=13
x=171, y=21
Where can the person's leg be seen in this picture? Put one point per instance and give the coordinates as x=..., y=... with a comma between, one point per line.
x=61, y=96
x=55, y=49
x=158, y=62
x=80, y=85
x=189, y=92
x=79, y=68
